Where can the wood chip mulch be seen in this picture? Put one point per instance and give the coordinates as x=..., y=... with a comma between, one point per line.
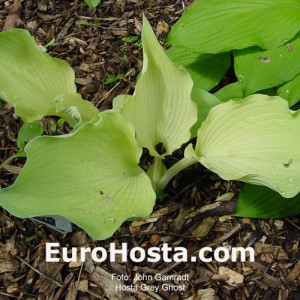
x=106, y=60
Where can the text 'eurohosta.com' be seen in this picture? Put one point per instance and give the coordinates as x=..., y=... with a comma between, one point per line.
x=54, y=253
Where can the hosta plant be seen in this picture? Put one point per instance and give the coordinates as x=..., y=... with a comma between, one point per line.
x=263, y=40
x=262, y=36
x=92, y=177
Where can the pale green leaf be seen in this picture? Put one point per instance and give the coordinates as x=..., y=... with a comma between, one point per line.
x=32, y=81
x=261, y=202
x=214, y=26
x=119, y=101
x=161, y=108
x=74, y=109
x=90, y=177
x=290, y=91
x=206, y=70
x=258, y=70
x=255, y=140
x=205, y=101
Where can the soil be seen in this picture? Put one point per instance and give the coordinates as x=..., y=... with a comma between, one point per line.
x=98, y=44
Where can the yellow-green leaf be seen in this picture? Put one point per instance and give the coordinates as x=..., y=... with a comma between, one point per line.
x=34, y=82
x=255, y=140
x=161, y=108
x=90, y=177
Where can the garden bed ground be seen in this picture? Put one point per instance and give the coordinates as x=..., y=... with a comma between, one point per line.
x=103, y=47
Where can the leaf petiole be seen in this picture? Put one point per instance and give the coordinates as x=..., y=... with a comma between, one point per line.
x=156, y=172
x=174, y=170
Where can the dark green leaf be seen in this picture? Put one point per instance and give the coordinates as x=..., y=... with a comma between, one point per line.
x=258, y=70
x=291, y=91
x=231, y=91
x=261, y=202
x=205, y=102
x=215, y=26
x=206, y=70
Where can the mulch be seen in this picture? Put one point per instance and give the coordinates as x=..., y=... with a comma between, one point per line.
x=106, y=59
